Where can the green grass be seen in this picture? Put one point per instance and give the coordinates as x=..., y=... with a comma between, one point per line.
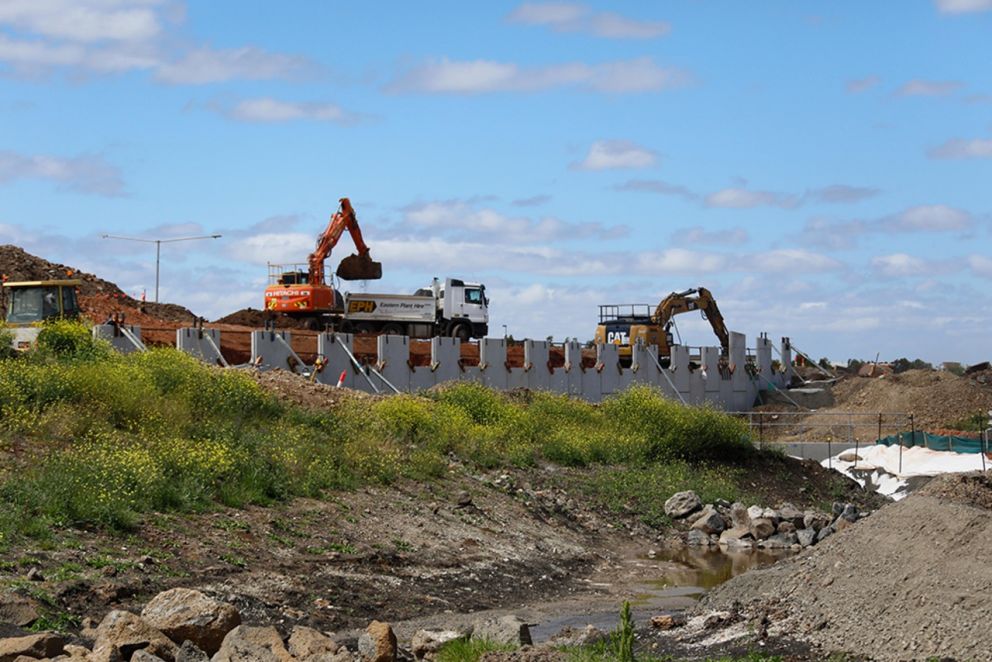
x=110, y=437
x=464, y=650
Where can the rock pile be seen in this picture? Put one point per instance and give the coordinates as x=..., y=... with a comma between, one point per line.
x=732, y=525
x=184, y=625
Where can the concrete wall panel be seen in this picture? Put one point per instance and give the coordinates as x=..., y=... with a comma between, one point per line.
x=393, y=363
x=117, y=337
x=492, y=361
x=203, y=344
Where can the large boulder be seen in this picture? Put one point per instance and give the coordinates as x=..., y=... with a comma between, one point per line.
x=761, y=528
x=509, y=630
x=145, y=656
x=710, y=521
x=121, y=634
x=815, y=520
x=681, y=504
x=739, y=518
x=806, y=537
x=184, y=614
x=738, y=536
x=426, y=643
x=19, y=610
x=779, y=541
x=309, y=645
x=697, y=538
x=789, y=513
x=377, y=643
x=253, y=644
x=35, y=646
x=754, y=512
x=190, y=652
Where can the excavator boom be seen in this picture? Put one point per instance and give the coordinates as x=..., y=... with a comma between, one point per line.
x=353, y=267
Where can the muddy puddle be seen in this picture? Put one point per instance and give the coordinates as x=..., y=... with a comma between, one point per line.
x=672, y=580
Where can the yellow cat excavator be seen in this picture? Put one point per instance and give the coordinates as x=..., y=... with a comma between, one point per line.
x=624, y=324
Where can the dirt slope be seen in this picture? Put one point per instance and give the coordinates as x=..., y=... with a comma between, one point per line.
x=910, y=582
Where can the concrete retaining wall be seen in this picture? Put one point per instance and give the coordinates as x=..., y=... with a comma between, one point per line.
x=732, y=383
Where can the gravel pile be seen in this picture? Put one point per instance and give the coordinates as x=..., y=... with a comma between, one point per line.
x=910, y=582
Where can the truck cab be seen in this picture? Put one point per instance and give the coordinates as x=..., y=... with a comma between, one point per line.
x=463, y=309
x=29, y=303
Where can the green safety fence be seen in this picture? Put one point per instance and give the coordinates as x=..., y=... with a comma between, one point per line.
x=935, y=442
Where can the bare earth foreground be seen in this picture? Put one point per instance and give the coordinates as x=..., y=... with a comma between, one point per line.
x=911, y=582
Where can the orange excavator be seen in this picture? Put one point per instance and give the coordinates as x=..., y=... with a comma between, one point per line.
x=306, y=293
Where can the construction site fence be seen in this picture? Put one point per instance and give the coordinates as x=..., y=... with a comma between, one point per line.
x=819, y=435
x=725, y=379
x=937, y=442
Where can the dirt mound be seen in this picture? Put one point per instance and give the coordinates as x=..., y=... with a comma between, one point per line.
x=257, y=318
x=862, y=591
x=296, y=389
x=18, y=264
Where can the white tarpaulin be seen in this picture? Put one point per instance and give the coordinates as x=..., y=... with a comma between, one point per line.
x=878, y=467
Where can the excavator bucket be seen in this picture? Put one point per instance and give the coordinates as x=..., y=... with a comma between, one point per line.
x=359, y=267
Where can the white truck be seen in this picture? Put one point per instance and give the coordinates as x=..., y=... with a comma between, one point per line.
x=454, y=308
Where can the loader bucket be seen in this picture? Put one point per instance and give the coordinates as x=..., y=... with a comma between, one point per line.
x=359, y=267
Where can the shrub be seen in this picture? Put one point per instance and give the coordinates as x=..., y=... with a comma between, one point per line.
x=65, y=338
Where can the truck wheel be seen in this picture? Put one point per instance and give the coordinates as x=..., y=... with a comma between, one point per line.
x=393, y=329
x=461, y=331
x=365, y=328
x=314, y=324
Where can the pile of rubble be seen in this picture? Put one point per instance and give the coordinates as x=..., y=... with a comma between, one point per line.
x=732, y=525
x=185, y=625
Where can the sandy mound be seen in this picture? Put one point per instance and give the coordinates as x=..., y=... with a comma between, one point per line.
x=912, y=581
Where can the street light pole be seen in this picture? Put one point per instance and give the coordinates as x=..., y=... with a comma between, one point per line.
x=158, y=249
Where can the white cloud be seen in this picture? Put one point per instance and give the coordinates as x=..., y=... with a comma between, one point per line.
x=899, y=265
x=981, y=265
x=963, y=6
x=118, y=36
x=841, y=193
x=929, y=218
x=795, y=260
x=84, y=20
x=277, y=247
x=960, y=148
x=205, y=65
x=862, y=84
x=483, y=76
x=267, y=109
x=572, y=17
x=82, y=174
x=678, y=261
x=928, y=88
x=461, y=219
x=740, y=198
x=615, y=154
x=700, y=235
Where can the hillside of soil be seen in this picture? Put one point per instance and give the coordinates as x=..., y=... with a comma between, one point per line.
x=910, y=582
x=939, y=401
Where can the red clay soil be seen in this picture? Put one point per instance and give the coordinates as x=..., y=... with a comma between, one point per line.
x=100, y=300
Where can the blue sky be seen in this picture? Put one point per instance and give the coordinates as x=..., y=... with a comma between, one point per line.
x=824, y=168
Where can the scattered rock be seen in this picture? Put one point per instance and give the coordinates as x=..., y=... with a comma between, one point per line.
x=309, y=645
x=815, y=520
x=190, y=652
x=850, y=513
x=668, y=621
x=377, y=643
x=806, y=537
x=681, y=504
x=739, y=518
x=185, y=614
x=850, y=457
x=18, y=610
x=761, y=528
x=34, y=646
x=789, y=513
x=710, y=521
x=755, y=512
x=34, y=574
x=145, y=656
x=425, y=643
x=259, y=644
x=587, y=636
x=121, y=633
x=697, y=538
x=785, y=526
x=508, y=630
x=824, y=532
x=779, y=541
x=737, y=537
